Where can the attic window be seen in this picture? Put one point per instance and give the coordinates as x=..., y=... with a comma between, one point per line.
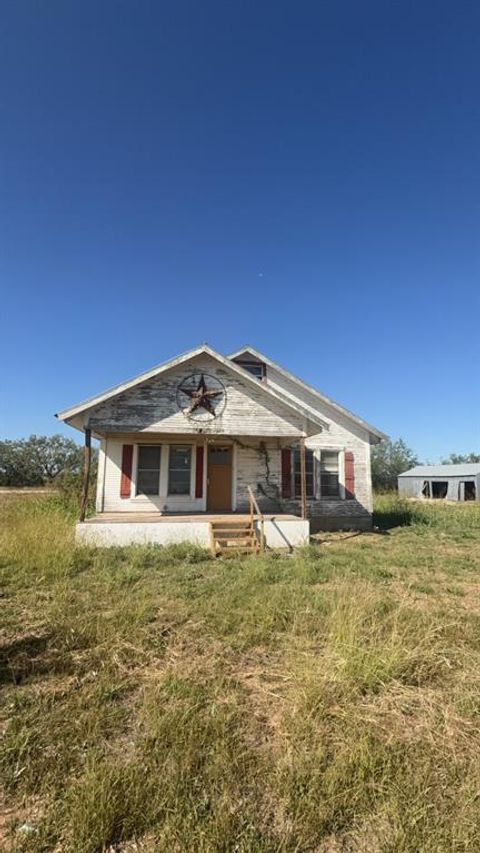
x=257, y=368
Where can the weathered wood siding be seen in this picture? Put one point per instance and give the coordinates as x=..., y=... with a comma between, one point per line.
x=342, y=434
x=152, y=407
x=113, y=502
x=258, y=464
x=255, y=464
x=259, y=428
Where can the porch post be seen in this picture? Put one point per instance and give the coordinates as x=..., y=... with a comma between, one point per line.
x=86, y=472
x=303, y=477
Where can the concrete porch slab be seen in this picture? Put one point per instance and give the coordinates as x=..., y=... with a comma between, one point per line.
x=281, y=532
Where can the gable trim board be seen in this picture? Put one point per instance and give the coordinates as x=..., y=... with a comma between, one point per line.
x=72, y=415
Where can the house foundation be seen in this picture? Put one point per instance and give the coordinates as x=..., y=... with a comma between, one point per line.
x=280, y=531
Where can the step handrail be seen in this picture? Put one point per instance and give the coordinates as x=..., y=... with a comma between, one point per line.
x=255, y=515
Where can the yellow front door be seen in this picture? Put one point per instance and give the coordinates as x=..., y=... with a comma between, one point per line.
x=219, y=478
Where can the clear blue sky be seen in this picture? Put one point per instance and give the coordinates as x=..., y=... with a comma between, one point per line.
x=304, y=176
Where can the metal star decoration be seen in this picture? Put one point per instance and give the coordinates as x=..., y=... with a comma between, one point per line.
x=202, y=397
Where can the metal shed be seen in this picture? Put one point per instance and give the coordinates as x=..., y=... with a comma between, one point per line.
x=444, y=482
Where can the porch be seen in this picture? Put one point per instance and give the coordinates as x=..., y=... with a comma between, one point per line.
x=217, y=531
x=223, y=493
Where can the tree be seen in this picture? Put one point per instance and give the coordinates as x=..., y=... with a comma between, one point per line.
x=38, y=460
x=389, y=459
x=458, y=458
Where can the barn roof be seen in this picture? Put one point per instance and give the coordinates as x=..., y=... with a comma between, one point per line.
x=464, y=469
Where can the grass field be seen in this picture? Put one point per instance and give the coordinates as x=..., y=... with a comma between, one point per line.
x=157, y=700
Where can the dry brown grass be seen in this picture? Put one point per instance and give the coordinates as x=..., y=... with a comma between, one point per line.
x=156, y=700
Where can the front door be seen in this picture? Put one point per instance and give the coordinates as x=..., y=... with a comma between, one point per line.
x=219, y=478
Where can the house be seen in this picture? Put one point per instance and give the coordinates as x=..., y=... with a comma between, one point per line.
x=451, y=482
x=213, y=448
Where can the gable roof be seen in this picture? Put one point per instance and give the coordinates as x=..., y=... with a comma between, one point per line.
x=376, y=433
x=68, y=414
x=462, y=469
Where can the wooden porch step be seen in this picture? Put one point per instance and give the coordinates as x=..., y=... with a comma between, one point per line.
x=232, y=537
x=235, y=540
x=238, y=535
x=229, y=532
x=228, y=529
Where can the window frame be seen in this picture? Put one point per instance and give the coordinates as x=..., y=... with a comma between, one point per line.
x=248, y=363
x=317, y=482
x=180, y=495
x=163, y=494
x=340, y=472
x=297, y=497
x=136, y=460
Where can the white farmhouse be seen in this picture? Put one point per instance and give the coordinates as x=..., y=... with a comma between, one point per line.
x=224, y=451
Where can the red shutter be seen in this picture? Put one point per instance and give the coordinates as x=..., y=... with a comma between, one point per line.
x=126, y=479
x=199, y=473
x=286, y=472
x=349, y=475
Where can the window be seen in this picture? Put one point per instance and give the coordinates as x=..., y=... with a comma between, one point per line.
x=297, y=478
x=426, y=489
x=256, y=368
x=179, y=467
x=329, y=484
x=148, y=470
x=219, y=455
